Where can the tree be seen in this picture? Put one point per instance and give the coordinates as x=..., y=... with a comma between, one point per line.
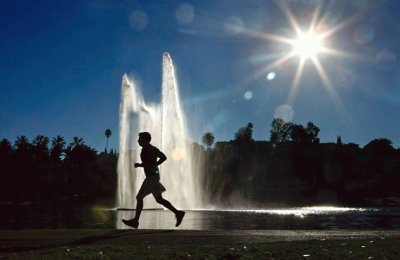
x=245, y=134
x=243, y=142
x=298, y=134
x=308, y=134
x=22, y=144
x=108, y=134
x=380, y=151
x=76, y=142
x=312, y=131
x=380, y=147
x=23, y=166
x=280, y=131
x=339, y=140
x=57, y=148
x=5, y=150
x=208, y=139
x=40, y=148
x=78, y=158
x=6, y=168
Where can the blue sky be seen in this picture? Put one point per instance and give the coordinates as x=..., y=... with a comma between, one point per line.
x=62, y=63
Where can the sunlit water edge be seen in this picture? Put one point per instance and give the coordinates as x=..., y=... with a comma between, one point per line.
x=313, y=217
x=296, y=211
x=285, y=218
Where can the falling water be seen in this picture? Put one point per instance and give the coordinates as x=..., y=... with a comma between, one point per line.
x=167, y=124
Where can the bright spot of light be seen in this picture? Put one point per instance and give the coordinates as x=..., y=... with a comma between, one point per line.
x=177, y=154
x=271, y=75
x=138, y=20
x=185, y=14
x=248, y=95
x=307, y=45
x=304, y=211
x=100, y=213
x=284, y=112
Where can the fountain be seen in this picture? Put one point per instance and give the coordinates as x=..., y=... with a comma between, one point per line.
x=167, y=124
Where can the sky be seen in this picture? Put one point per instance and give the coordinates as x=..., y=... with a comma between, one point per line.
x=62, y=62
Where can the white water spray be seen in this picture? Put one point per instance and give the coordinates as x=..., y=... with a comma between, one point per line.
x=167, y=124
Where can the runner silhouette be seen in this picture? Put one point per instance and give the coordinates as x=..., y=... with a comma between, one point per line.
x=151, y=157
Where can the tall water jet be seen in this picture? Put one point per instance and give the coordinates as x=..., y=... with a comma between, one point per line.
x=167, y=124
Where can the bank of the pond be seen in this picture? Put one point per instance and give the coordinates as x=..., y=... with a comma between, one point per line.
x=167, y=244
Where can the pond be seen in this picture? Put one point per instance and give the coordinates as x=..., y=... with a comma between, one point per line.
x=294, y=218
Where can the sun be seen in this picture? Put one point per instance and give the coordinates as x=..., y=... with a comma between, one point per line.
x=307, y=45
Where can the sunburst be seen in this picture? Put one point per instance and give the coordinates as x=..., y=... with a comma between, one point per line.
x=306, y=46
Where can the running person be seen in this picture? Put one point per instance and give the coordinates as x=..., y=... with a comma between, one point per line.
x=151, y=184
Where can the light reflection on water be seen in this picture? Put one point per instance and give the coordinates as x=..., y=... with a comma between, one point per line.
x=326, y=217
x=303, y=211
x=294, y=218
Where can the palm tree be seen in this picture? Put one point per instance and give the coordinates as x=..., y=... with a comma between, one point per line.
x=208, y=139
x=40, y=149
x=5, y=148
x=76, y=142
x=57, y=148
x=22, y=145
x=22, y=179
x=108, y=134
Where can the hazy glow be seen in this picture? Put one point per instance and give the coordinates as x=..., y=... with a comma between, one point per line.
x=100, y=213
x=285, y=112
x=177, y=154
x=307, y=45
x=248, y=95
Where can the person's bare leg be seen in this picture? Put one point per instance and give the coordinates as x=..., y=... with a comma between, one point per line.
x=139, y=206
x=179, y=214
x=164, y=202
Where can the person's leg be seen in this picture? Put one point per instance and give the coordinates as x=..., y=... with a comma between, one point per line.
x=143, y=192
x=179, y=214
x=160, y=200
x=139, y=206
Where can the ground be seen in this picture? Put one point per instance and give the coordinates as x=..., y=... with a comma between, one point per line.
x=185, y=244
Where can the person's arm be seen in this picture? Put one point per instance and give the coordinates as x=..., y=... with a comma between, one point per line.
x=138, y=165
x=161, y=158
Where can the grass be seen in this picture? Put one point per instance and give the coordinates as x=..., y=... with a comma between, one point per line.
x=380, y=248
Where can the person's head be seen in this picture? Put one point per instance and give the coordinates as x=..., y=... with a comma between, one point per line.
x=144, y=138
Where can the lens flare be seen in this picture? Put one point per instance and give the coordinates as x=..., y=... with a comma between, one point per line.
x=138, y=20
x=248, y=95
x=308, y=45
x=100, y=213
x=271, y=75
x=177, y=154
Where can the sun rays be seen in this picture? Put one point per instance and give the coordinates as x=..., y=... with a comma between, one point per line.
x=307, y=44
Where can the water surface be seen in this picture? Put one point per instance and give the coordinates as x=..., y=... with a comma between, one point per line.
x=301, y=218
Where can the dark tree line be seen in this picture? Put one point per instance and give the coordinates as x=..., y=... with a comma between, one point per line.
x=293, y=167
x=45, y=170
